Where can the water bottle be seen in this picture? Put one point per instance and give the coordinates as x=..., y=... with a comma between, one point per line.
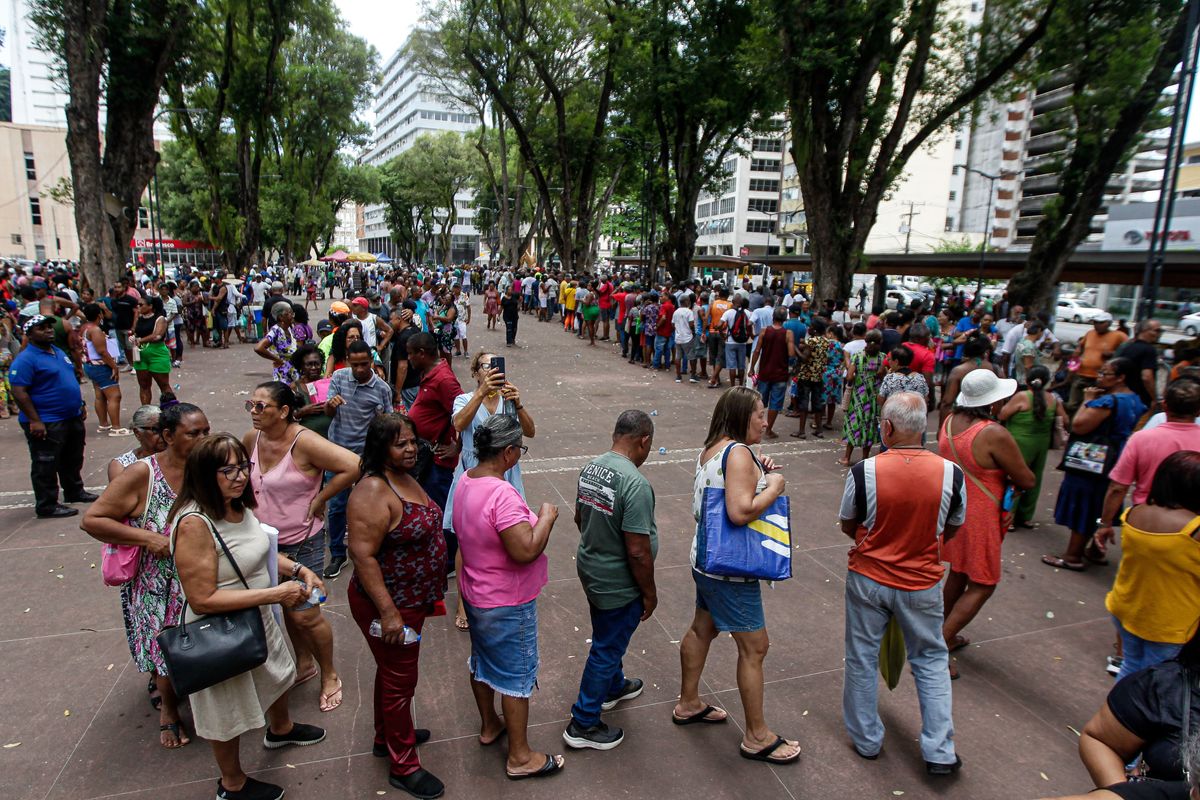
x=315, y=594
x=410, y=636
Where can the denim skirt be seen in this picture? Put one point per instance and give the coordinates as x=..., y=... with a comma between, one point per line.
x=504, y=647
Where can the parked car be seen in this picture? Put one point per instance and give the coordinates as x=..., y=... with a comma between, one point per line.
x=1190, y=323
x=1076, y=311
x=897, y=297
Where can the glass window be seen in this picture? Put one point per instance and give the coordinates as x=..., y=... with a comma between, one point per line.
x=768, y=145
x=949, y=223
x=30, y=170
x=35, y=210
x=759, y=225
x=763, y=204
x=764, y=164
x=763, y=185
x=727, y=205
x=953, y=195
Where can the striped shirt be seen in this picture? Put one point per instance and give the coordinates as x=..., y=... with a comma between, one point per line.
x=902, y=500
x=364, y=402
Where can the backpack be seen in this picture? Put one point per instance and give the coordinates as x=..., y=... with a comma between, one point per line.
x=739, y=331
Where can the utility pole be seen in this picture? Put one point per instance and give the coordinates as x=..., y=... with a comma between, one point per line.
x=908, y=225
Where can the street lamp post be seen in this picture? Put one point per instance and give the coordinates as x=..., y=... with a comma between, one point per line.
x=987, y=224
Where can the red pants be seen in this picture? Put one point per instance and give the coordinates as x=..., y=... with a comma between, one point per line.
x=395, y=682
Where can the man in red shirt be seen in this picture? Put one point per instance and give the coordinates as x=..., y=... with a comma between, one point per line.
x=605, y=292
x=663, y=331
x=431, y=414
x=923, y=361
x=618, y=301
x=894, y=507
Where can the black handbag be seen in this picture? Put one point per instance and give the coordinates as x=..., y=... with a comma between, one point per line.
x=1093, y=454
x=213, y=648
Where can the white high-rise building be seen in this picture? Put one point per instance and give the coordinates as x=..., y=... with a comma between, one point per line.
x=37, y=99
x=739, y=219
x=408, y=104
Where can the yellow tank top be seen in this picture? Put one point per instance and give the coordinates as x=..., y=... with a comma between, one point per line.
x=1156, y=595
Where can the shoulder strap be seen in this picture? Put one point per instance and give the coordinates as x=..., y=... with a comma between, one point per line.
x=970, y=475
x=725, y=457
x=225, y=548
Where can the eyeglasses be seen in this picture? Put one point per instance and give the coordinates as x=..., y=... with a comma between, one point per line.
x=148, y=431
x=235, y=471
x=257, y=406
x=524, y=449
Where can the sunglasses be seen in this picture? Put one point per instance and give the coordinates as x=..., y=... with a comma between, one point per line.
x=257, y=406
x=235, y=471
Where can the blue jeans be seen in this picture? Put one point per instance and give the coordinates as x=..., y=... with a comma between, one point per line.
x=1138, y=653
x=437, y=486
x=602, y=675
x=869, y=607
x=662, y=350
x=335, y=519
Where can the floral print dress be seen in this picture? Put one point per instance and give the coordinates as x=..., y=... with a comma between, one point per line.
x=832, y=377
x=861, y=426
x=153, y=599
x=283, y=344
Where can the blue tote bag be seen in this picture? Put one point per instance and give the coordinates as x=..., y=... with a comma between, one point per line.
x=761, y=550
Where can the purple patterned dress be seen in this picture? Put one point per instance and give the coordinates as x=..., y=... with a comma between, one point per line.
x=283, y=344
x=152, y=600
x=412, y=557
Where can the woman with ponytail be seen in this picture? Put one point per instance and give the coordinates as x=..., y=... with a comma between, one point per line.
x=1031, y=417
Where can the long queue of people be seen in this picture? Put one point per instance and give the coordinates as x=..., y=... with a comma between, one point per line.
x=435, y=492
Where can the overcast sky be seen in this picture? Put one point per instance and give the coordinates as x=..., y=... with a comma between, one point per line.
x=385, y=25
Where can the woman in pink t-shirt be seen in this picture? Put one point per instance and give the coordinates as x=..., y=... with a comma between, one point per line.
x=503, y=570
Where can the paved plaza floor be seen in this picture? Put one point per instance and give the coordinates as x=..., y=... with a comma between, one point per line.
x=75, y=722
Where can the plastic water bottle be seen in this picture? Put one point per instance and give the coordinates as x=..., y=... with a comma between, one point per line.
x=410, y=636
x=315, y=595
x=662, y=451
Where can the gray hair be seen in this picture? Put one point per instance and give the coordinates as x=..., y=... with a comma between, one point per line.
x=281, y=308
x=633, y=423
x=146, y=417
x=906, y=411
x=277, y=286
x=498, y=432
x=918, y=332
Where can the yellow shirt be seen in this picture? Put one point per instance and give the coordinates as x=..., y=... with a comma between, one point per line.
x=1156, y=594
x=562, y=292
x=569, y=298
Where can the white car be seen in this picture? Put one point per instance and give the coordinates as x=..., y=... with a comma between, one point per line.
x=903, y=297
x=1076, y=311
x=1190, y=323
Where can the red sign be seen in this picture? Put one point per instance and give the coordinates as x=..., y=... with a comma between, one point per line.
x=168, y=244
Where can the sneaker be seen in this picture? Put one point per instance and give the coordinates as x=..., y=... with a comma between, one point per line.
x=598, y=737
x=335, y=567
x=176, y=364
x=252, y=790
x=693, y=379
x=1113, y=665
x=943, y=770
x=679, y=380
x=300, y=735
x=630, y=690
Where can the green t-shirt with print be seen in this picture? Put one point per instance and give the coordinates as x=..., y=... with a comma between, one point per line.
x=612, y=499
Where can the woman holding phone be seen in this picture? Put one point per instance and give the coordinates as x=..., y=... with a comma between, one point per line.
x=493, y=394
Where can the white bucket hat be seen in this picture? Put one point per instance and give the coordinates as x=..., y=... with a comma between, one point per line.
x=981, y=388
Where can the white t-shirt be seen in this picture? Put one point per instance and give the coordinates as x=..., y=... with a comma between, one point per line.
x=762, y=318
x=854, y=346
x=840, y=317
x=260, y=289
x=1159, y=419
x=684, y=320
x=727, y=320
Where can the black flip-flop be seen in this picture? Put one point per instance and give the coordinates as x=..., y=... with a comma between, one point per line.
x=765, y=753
x=700, y=716
x=549, y=768
x=176, y=728
x=155, y=700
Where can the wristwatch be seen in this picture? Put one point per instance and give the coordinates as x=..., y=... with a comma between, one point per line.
x=296, y=569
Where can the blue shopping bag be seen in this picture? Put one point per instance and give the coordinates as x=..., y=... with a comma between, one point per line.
x=762, y=549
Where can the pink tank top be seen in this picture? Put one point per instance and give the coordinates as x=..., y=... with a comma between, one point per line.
x=284, y=494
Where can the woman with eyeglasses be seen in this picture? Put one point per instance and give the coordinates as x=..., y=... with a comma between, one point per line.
x=216, y=499
x=148, y=340
x=133, y=511
x=399, y=556
x=144, y=425
x=288, y=464
x=493, y=395
x=1110, y=408
x=312, y=389
x=503, y=571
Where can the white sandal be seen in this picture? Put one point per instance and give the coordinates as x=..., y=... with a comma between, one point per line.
x=103, y=428
x=120, y=432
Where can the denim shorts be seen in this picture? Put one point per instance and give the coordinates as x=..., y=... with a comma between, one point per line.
x=735, y=355
x=100, y=375
x=504, y=647
x=735, y=605
x=772, y=394
x=311, y=553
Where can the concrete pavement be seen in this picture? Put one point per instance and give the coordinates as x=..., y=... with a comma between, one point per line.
x=76, y=723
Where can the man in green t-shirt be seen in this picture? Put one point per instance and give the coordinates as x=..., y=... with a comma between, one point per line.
x=614, y=510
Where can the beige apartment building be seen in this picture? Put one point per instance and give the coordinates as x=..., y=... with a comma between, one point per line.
x=32, y=224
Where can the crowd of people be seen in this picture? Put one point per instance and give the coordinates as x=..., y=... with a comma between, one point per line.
x=364, y=426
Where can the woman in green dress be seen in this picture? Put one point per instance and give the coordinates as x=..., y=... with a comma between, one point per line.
x=1030, y=417
x=863, y=374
